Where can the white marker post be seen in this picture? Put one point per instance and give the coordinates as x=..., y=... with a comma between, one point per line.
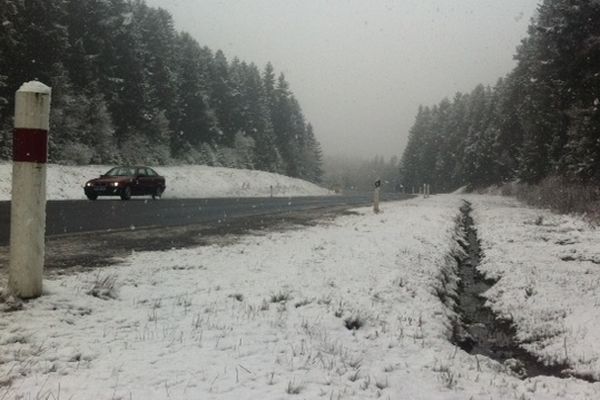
x=28, y=204
x=376, y=196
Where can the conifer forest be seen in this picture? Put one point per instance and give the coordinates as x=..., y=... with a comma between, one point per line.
x=542, y=120
x=127, y=87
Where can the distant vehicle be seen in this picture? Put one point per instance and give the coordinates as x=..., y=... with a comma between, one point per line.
x=126, y=182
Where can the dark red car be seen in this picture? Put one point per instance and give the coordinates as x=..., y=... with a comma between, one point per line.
x=126, y=182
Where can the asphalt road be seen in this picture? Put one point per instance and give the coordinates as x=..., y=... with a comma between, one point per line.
x=78, y=216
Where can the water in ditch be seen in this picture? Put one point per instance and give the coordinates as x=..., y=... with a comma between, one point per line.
x=478, y=331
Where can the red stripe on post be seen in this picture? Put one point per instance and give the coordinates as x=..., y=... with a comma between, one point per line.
x=30, y=145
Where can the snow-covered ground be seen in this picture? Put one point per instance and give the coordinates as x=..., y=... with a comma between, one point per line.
x=264, y=316
x=549, y=266
x=66, y=182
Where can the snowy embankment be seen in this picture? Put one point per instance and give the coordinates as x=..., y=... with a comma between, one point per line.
x=549, y=270
x=348, y=309
x=66, y=182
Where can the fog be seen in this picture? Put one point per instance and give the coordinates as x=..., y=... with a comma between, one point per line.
x=360, y=68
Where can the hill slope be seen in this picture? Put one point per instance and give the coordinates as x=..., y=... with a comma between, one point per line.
x=197, y=181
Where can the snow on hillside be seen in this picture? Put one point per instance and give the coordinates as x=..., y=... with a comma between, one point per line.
x=66, y=182
x=270, y=317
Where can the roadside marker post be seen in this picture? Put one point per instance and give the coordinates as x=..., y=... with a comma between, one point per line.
x=426, y=190
x=28, y=202
x=376, y=196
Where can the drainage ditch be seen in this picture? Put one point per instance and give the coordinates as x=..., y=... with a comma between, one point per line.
x=478, y=331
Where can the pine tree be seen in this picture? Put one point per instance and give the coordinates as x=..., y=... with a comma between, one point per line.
x=268, y=146
x=222, y=98
x=256, y=118
x=412, y=165
x=244, y=151
x=440, y=156
x=8, y=43
x=282, y=124
x=194, y=122
x=312, y=160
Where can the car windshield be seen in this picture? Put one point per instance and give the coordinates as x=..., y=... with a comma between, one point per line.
x=120, y=171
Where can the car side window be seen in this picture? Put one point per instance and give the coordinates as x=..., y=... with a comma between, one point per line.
x=142, y=172
x=151, y=172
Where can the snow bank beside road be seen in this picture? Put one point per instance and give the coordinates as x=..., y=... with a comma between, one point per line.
x=66, y=182
x=549, y=271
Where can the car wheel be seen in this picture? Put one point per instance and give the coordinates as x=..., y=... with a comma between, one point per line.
x=92, y=196
x=157, y=193
x=126, y=193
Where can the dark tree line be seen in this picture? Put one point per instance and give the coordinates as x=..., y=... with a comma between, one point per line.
x=128, y=88
x=541, y=120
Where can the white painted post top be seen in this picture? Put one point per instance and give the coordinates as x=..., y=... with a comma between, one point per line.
x=35, y=87
x=32, y=106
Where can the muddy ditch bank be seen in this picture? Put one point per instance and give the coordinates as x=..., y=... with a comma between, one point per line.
x=477, y=330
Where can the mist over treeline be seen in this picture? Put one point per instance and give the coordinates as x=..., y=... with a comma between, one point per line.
x=128, y=88
x=541, y=120
x=343, y=173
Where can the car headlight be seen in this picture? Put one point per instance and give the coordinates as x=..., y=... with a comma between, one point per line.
x=88, y=184
x=115, y=184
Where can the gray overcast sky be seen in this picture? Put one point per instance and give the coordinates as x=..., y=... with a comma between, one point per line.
x=360, y=68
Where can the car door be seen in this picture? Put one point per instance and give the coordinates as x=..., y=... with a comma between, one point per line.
x=155, y=180
x=143, y=182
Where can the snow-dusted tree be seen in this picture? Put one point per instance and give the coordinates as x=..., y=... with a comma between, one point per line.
x=244, y=150
x=568, y=38
x=5, y=131
x=256, y=119
x=451, y=169
x=267, y=147
x=222, y=98
x=509, y=134
x=80, y=121
x=434, y=157
x=207, y=155
x=313, y=157
x=195, y=122
x=8, y=42
x=289, y=126
x=412, y=169
x=33, y=43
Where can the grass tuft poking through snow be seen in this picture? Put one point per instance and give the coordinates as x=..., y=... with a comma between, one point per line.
x=281, y=297
x=104, y=287
x=354, y=322
x=294, y=388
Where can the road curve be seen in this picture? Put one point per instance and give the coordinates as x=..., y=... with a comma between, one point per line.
x=78, y=216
